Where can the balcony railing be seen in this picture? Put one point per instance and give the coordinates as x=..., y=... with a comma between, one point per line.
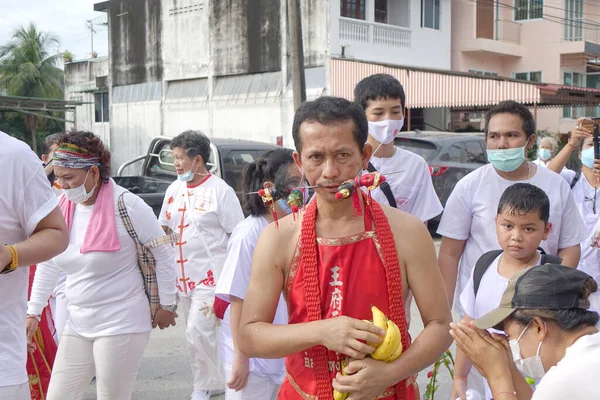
x=355, y=30
x=508, y=31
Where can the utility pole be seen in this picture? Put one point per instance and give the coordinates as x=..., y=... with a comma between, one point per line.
x=297, y=52
x=90, y=25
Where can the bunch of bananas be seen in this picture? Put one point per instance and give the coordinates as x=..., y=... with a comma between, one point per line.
x=387, y=351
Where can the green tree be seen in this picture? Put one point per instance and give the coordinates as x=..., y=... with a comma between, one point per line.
x=28, y=68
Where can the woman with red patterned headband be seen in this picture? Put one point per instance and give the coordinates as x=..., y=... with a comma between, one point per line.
x=110, y=317
x=340, y=258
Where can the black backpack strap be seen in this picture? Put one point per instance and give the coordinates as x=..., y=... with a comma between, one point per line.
x=482, y=265
x=385, y=188
x=550, y=259
x=575, y=179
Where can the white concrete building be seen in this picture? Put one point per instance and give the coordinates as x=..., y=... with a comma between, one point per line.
x=223, y=66
x=87, y=81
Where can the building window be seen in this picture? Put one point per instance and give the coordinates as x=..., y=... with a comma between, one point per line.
x=101, y=107
x=483, y=73
x=535, y=76
x=528, y=9
x=381, y=11
x=574, y=79
x=574, y=20
x=430, y=14
x=353, y=9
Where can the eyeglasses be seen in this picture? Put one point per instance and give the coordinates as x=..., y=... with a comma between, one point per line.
x=593, y=200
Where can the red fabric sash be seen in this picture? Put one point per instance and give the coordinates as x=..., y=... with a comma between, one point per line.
x=309, y=273
x=41, y=360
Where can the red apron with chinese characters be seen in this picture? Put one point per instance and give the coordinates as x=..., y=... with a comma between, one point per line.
x=40, y=361
x=343, y=276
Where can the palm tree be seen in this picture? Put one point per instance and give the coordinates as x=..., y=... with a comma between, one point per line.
x=28, y=69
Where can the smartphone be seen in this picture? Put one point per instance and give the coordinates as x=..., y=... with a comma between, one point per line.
x=587, y=124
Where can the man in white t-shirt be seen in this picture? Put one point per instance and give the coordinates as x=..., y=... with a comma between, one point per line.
x=33, y=226
x=203, y=211
x=383, y=99
x=408, y=186
x=467, y=226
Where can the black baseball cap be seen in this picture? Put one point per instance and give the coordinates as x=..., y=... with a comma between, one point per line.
x=548, y=286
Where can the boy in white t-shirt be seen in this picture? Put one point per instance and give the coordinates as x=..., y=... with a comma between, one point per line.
x=383, y=99
x=522, y=222
x=411, y=190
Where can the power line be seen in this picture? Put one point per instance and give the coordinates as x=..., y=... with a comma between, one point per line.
x=562, y=21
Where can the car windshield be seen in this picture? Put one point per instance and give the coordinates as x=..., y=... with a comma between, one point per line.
x=425, y=149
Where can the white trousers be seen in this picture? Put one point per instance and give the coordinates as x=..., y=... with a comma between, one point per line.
x=201, y=337
x=257, y=388
x=15, y=392
x=114, y=359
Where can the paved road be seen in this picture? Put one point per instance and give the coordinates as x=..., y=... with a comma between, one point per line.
x=165, y=372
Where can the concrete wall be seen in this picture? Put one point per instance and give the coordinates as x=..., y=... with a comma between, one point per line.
x=135, y=41
x=80, y=85
x=133, y=125
x=428, y=48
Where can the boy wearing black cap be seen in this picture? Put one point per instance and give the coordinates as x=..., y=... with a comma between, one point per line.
x=521, y=225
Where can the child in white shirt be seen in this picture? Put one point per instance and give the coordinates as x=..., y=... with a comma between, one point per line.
x=521, y=225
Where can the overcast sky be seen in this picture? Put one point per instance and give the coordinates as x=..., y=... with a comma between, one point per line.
x=65, y=18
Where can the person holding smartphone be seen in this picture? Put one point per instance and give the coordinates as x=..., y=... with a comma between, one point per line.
x=584, y=186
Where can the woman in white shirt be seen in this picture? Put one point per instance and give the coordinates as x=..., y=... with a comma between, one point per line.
x=109, y=314
x=551, y=337
x=253, y=379
x=584, y=186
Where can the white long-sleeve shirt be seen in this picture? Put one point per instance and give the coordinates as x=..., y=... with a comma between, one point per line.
x=105, y=290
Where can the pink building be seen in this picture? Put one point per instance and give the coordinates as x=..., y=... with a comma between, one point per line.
x=552, y=41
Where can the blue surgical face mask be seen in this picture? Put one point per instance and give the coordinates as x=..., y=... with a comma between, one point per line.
x=507, y=160
x=187, y=176
x=587, y=157
x=544, y=154
x=284, y=206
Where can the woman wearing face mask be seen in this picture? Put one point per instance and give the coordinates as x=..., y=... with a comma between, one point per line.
x=203, y=210
x=584, y=186
x=253, y=379
x=546, y=151
x=109, y=315
x=551, y=337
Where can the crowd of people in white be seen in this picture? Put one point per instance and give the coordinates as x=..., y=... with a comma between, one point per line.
x=518, y=259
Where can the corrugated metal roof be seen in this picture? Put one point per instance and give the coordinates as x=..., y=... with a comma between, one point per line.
x=151, y=91
x=429, y=88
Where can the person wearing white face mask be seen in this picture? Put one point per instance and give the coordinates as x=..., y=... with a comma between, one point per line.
x=383, y=99
x=551, y=337
x=203, y=210
x=109, y=313
x=584, y=185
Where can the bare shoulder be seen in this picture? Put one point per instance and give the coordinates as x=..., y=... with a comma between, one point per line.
x=403, y=223
x=410, y=233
